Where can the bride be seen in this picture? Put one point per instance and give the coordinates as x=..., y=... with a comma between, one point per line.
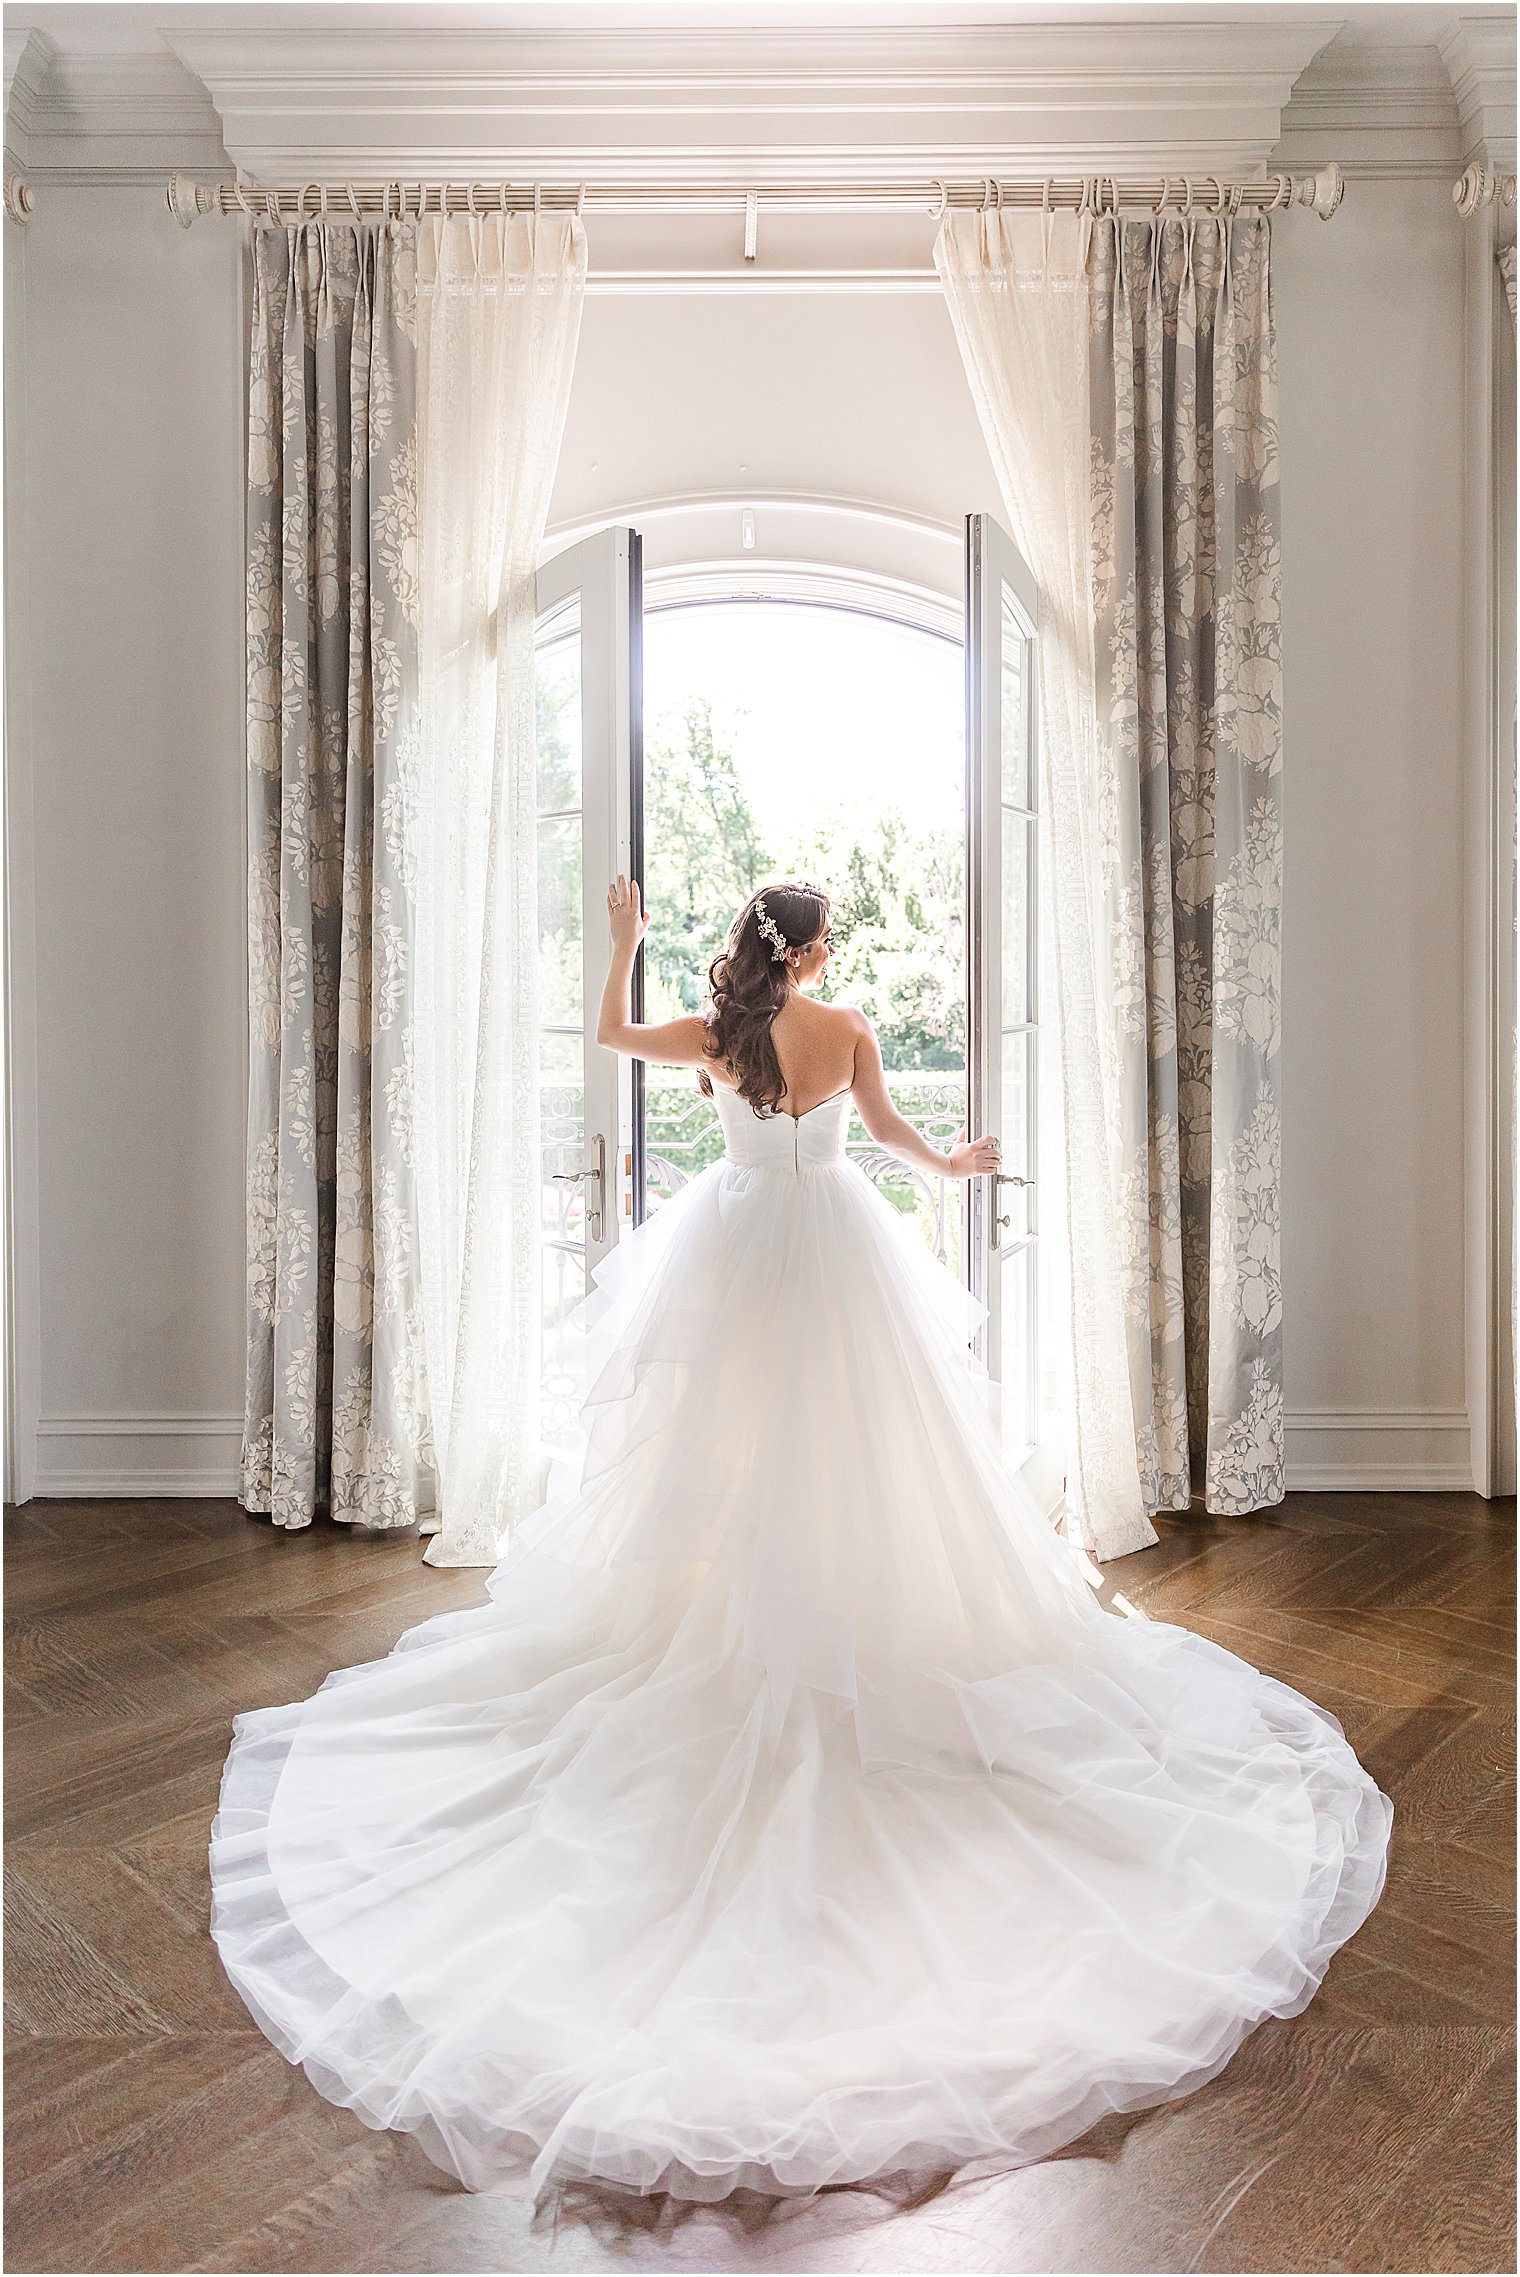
x=793, y=1812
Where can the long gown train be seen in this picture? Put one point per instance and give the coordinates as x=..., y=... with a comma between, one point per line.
x=792, y=1812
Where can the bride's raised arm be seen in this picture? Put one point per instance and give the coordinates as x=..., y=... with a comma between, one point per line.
x=677, y=1042
x=966, y=1159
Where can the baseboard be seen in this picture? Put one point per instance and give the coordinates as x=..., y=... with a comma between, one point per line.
x=1388, y=1450
x=119, y=1457
x=1397, y=1450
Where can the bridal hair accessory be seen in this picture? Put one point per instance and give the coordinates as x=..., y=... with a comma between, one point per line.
x=770, y=931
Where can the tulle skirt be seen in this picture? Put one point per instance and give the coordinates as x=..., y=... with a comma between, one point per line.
x=792, y=1813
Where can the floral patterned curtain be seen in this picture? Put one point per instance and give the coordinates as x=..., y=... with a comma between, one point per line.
x=1186, y=592
x=337, y=1410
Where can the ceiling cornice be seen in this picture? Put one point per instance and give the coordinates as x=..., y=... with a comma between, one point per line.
x=1381, y=113
x=1479, y=54
x=123, y=119
x=29, y=56
x=315, y=103
x=682, y=104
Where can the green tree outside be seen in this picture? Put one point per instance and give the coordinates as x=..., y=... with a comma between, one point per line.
x=897, y=897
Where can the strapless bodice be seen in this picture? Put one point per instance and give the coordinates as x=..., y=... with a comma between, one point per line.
x=782, y=1141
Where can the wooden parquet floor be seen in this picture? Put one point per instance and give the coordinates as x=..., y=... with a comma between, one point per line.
x=151, y=2127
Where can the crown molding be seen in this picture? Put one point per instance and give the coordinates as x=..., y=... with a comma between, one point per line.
x=1232, y=93
x=630, y=104
x=29, y=55
x=1479, y=55
x=1382, y=112
x=121, y=119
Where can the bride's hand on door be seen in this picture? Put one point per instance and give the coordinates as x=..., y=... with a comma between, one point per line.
x=625, y=914
x=973, y=1158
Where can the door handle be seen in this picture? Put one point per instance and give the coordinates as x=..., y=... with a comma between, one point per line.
x=1003, y=1178
x=594, y=1179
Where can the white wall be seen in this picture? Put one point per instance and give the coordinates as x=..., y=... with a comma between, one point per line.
x=134, y=447
x=1369, y=324
x=859, y=395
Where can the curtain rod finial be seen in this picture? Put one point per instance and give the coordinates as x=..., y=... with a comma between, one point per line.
x=1323, y=190
x=186, y=198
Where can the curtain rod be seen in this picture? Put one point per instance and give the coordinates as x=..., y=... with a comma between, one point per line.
x=1083, y=193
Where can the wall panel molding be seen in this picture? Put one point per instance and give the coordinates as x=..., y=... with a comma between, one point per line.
x=1393, y=1450
x=116, y=1457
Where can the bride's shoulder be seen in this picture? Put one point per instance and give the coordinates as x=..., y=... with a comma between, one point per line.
x=848, y=1016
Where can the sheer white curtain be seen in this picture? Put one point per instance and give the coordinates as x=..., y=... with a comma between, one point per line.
x=499, y=304
x=1017, y=293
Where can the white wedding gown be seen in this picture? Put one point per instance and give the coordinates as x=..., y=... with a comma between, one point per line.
x=793, y=1812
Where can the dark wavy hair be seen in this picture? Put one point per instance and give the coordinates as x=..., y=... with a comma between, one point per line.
x=748, y=985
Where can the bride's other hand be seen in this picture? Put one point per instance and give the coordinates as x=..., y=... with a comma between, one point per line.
x=625, y=914
x=973, y=1158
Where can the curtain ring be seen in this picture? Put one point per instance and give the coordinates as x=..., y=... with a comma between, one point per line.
x=939, y=212
x=1218, y=193
x=538, y=197
x=1045, y=204
x=1283, y=194
x=999, y=189
x=272, y=204
x=301, y=214
x=243, y=199
x=1159, y=208
x=469, y=197
x=501, y=195
x=580, y=201
x=1237, y=192
x=1187, y=183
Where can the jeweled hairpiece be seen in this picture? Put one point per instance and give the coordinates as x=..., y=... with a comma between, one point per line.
x=770, y=931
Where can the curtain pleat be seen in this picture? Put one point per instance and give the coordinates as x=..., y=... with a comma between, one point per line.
x=1187, y=611
x=336, y=1407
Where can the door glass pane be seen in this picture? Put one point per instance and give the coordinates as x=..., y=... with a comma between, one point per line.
x=1018, y=851
x=1017, y=1297
x=1014, y=709
x=558, y=667
x=563, y=1125
x=560, y=986
x=561, y=1047
x=1004, y=899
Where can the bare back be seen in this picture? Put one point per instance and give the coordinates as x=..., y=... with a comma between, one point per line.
x=815, y=1048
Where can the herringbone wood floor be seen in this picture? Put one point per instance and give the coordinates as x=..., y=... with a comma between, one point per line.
x=152, y=2128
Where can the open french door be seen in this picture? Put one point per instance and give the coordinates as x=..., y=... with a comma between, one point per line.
x=590, y=825
x=1002, y=873
x=590, y=750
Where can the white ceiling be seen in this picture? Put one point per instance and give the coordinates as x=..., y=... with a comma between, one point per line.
x=139, y=27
